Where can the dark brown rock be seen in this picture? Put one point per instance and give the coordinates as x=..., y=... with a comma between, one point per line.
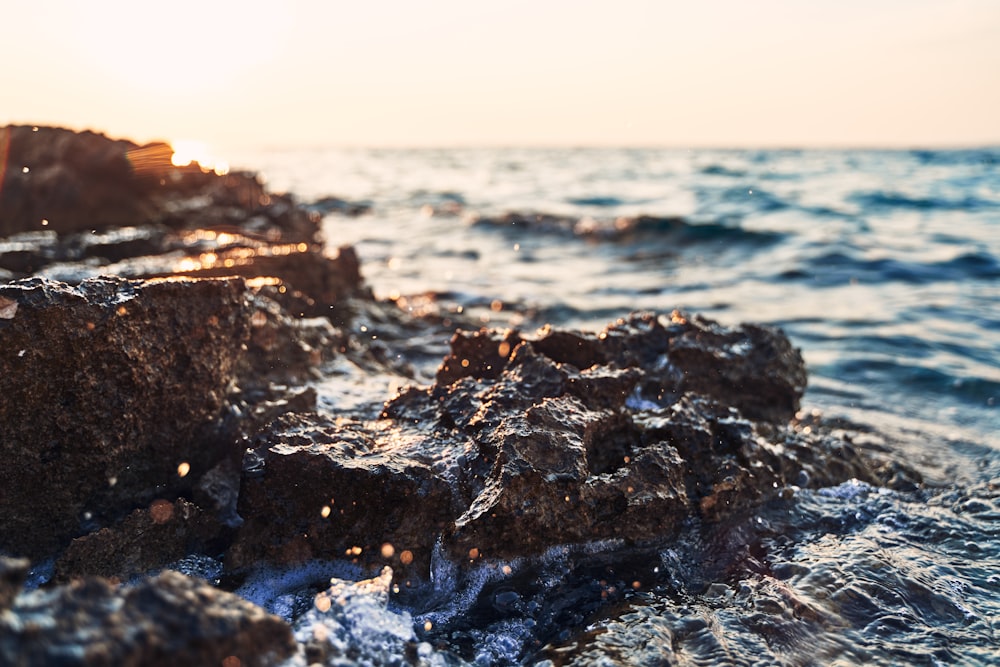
x=87, y=205
x=105, y=390
x=148, y=539
x=84, y=180
x=166, y=620
x=621, y=435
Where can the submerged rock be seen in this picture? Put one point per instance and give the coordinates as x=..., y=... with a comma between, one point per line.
x=165, y=620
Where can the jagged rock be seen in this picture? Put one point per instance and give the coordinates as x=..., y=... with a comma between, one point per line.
x=523, y=444
x=81, y=205
x=170, y=619
x=105, y=390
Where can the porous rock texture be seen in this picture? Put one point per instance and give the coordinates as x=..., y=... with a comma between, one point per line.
x=107, y=388
x=167, y=620
x=523, y=444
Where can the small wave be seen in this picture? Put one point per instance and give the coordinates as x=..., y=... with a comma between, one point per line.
x=838, y=268
x=719, y=170
x=672, y=229
x=596, y=201
x=984, y=157
x=880, y=201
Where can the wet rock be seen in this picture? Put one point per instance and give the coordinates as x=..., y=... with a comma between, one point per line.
x=146, y=540
x=106, y=389
x=170, y=619
x=525, y=443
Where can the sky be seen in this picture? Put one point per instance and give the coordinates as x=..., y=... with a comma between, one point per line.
x=259, y=74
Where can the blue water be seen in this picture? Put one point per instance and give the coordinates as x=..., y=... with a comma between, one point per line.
x=883, y=266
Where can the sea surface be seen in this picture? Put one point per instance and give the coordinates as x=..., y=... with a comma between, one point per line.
x=882, y=266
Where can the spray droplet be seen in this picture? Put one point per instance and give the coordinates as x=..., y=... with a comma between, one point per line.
x=183, y=469
x=161, y=511
x=8, y=308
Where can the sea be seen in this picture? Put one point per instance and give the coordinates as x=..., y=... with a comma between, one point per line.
x=882, y=266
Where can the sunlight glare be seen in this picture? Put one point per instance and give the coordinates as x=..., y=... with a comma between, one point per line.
x=187, y=151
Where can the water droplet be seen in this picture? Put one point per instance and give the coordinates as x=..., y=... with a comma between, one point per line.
x=45, y=222
x=325, y=512
x=388, y=550
x=25, y=170
x=427, y=626
x=322, y=602
x=406, y=557
x=473, y=553
x=8, y=308
x=161, y=511
x=183, y=469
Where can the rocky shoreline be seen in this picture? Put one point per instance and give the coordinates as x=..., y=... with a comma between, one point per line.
x=180, y=358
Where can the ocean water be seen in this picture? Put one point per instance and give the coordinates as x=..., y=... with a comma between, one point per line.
x=882, y=266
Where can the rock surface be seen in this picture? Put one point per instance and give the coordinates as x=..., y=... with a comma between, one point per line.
x=107, y=388
x=523, y=444
x=170, y=619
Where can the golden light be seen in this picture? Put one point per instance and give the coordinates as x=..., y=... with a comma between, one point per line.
x=187, y=151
